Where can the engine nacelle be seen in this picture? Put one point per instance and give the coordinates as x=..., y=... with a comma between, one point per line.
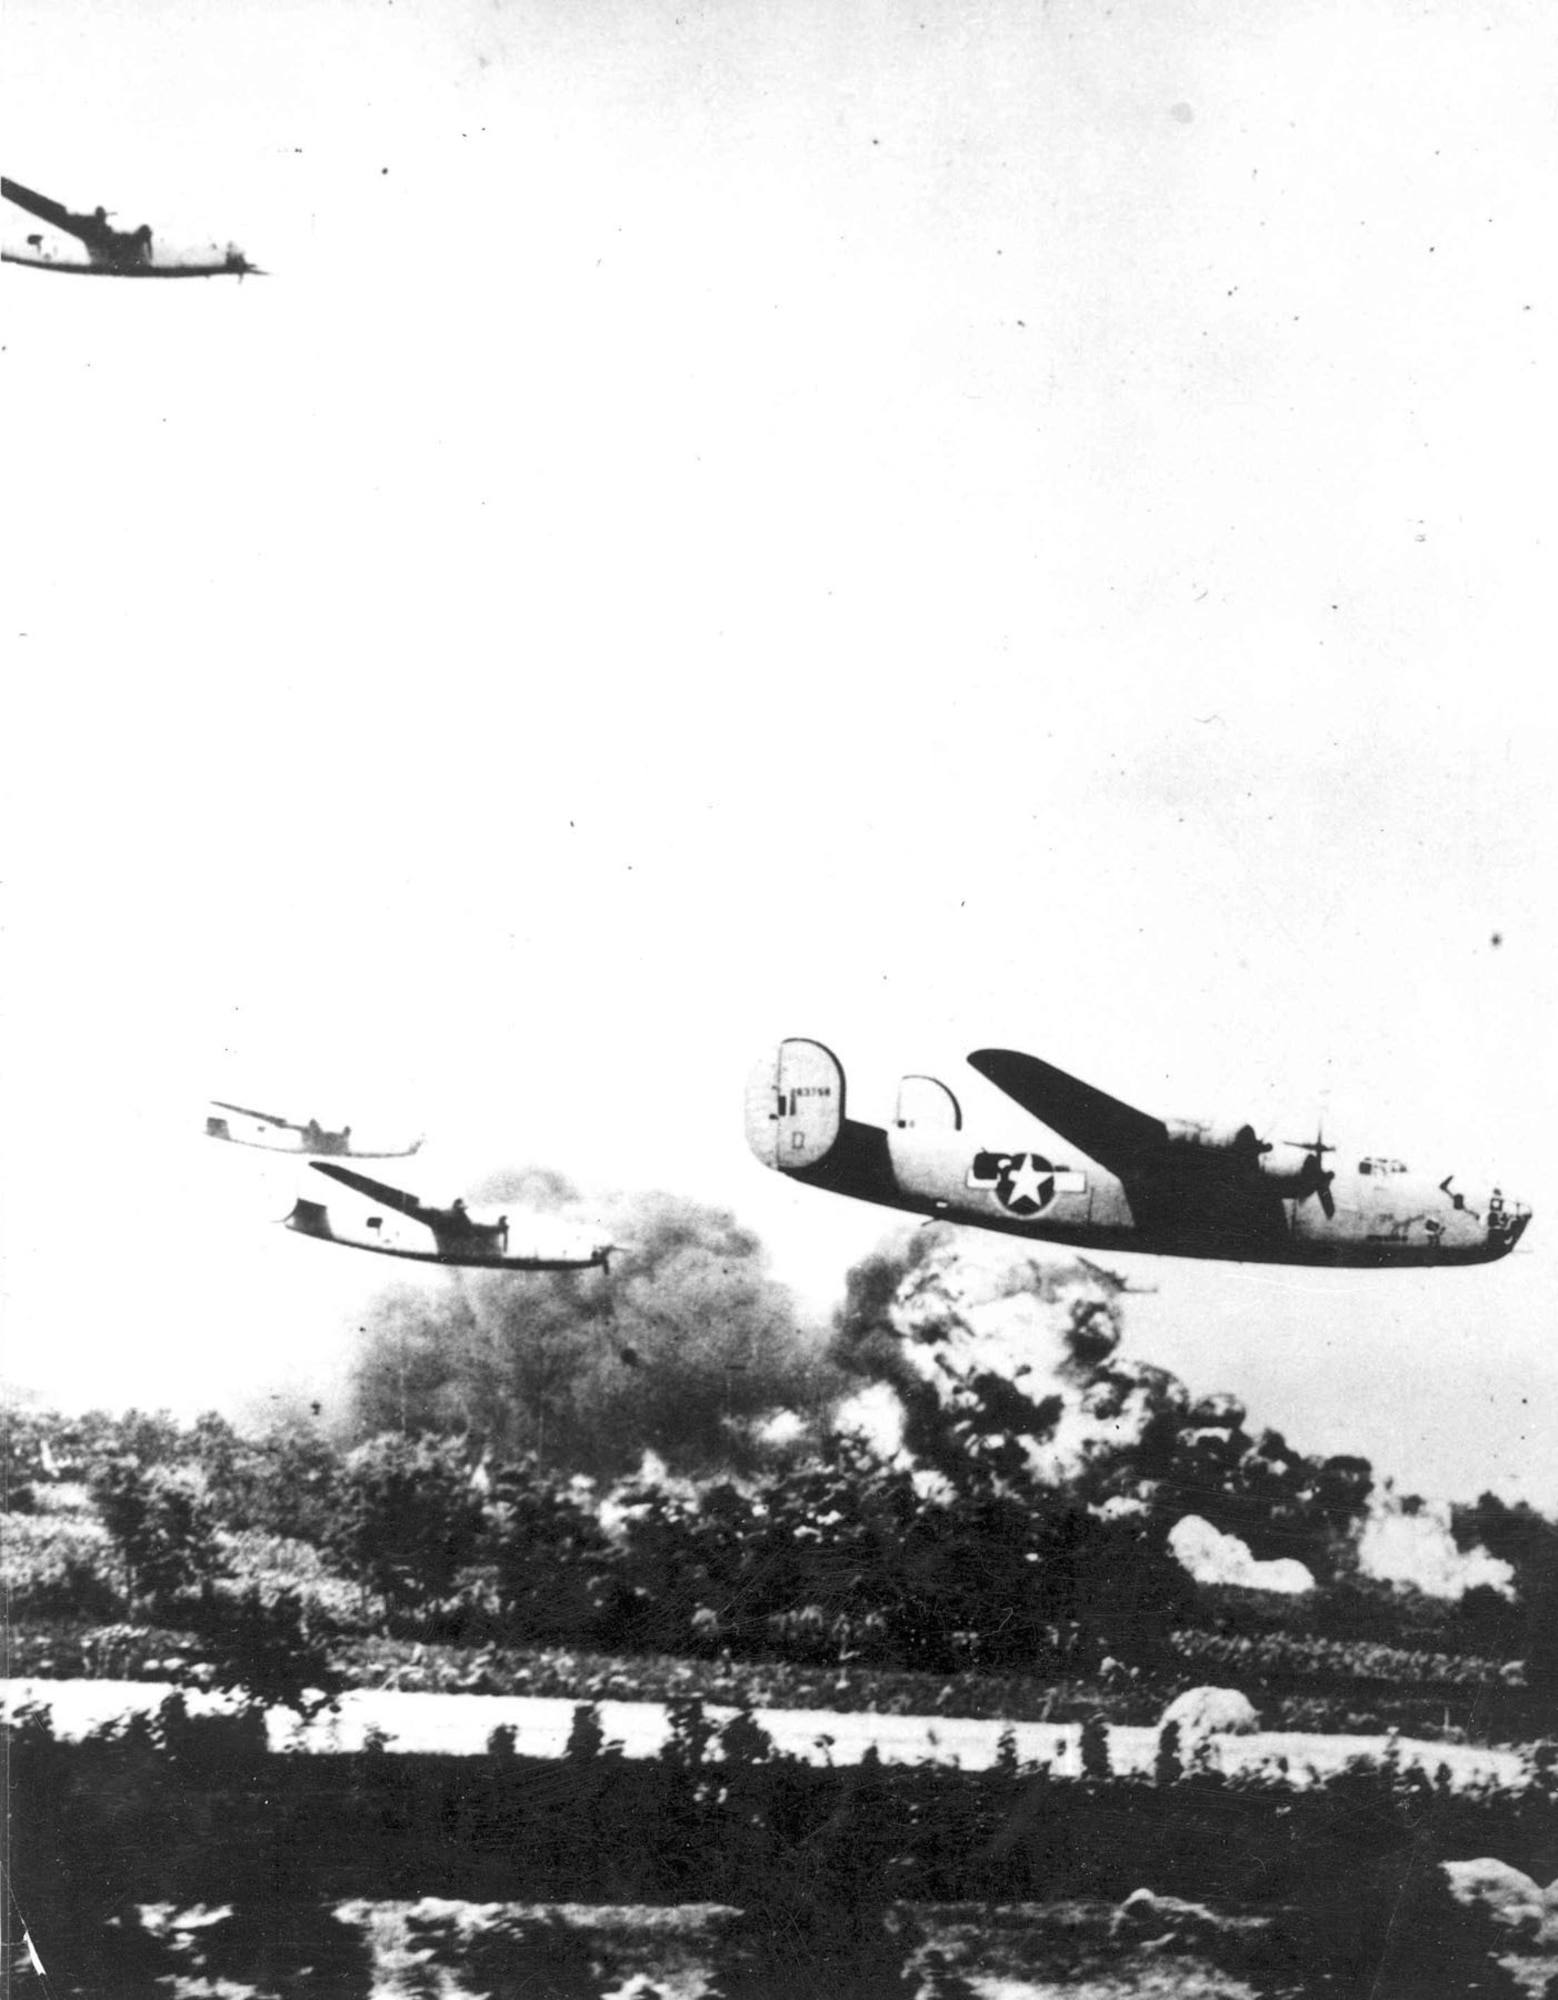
x=1214, y=1138
x=1290, y=1169
x=1293, y=1169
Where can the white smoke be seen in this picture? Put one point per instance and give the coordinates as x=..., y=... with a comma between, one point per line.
x=969, y=1313
x=875, y=1416
x=1407, y=1540
x=783, y=1427
x=1213, y=1557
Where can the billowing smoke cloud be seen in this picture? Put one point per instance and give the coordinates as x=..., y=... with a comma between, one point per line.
x=685, y=1346
x=1213, y=1557
x=985, y=1356
x=1408, y=1540
x=997, y=1355
x=966, y=1358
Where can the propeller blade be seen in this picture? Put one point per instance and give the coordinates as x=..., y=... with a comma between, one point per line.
x=1319, y=1177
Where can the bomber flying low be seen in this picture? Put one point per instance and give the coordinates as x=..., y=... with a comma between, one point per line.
x=452, y=1236
x=274, y=1134
x=89, y=245
x=1119, y=1179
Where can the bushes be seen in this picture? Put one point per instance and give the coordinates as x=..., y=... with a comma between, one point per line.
x=1300, y=1657
x=180, y=1812
x=550, y=1558
x=851, y=1563
x=161, y=1525
x=55, y=1565
x=278, y=1564
x=267, y=1651
x=408, y=1520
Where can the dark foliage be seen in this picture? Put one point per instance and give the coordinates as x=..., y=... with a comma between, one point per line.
x=287, y=1481
x=265, y=1651
x=847, y=1561
x=1528, y=1540
x=821, y=1862
x=161, y=1525
x=408, y=1520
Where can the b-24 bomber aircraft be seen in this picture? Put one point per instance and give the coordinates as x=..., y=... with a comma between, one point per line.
x=274, y=1134
x=452, y=1236
x=89, y=246
x=1120, y=1179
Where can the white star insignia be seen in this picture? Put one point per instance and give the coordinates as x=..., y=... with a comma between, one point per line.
x=1028, y=1183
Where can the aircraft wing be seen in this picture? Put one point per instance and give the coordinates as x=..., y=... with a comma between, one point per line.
x=1114, y=1134
x=265, y=1117
x=39, y=205
x=396, y=1198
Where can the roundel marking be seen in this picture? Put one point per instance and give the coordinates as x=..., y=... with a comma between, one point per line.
x=1023, y=1183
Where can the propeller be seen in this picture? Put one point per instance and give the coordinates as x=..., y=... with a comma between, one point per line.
x=1320, y=1178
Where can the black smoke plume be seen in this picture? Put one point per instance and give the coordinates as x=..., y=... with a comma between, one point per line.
x=683, y=1348
x=1006, y=1367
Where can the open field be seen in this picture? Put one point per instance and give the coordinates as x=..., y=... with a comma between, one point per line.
x=463, y=1724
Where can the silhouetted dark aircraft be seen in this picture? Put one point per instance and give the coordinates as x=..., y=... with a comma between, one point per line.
x=89, y=246
x=1120, y=1179
x=457, y=1237
x=283, y=1135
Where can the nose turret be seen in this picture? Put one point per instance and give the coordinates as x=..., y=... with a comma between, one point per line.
x=1507, y=1222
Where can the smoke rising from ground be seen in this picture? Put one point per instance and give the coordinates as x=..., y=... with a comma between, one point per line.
x=982, y=1351
x=685, y=1346
x=1213, y=1557
x=1407, y=1540
x=960, y=1356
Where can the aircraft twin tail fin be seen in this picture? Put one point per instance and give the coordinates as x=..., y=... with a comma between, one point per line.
x=795, y=1106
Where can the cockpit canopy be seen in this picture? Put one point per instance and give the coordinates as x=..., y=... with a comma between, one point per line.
x=1374, y=1164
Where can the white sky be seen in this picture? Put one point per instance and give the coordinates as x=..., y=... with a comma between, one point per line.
x=921, y=527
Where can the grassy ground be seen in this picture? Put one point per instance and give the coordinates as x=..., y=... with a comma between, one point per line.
x=65, y=1650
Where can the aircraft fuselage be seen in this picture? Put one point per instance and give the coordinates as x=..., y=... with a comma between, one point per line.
x=1186, y=1197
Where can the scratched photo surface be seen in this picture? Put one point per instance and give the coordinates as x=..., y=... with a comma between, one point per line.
x=849, y=710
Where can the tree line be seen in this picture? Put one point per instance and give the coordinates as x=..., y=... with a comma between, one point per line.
x=834, y=1556
x=821, y=1868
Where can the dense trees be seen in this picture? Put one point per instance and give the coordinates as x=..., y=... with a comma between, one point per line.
x=408, y=1519
x=1528, y=1542
x=161, y=1524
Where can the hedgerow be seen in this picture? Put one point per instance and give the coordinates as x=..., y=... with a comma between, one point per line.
x=175, y=1813
x=854, y=1565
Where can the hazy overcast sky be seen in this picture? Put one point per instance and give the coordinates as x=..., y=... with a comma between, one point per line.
x=921, y=527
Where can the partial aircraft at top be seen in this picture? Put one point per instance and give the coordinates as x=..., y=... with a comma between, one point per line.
x=282, y=1135
x=1120, y=1179
x=89, y=246
x=453, y=1236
